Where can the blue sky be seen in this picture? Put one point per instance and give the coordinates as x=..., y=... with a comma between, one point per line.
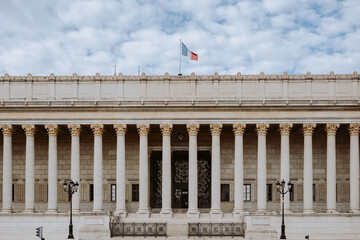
x=250, y=36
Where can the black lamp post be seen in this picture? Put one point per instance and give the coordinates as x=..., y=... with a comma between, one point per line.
x=280, y=187
x=71, y=188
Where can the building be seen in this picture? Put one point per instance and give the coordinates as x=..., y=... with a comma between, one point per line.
x=180, y=150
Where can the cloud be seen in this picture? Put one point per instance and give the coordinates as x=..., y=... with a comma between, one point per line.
x=250, y=36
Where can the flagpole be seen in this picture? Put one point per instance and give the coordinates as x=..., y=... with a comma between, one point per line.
x=180, y=59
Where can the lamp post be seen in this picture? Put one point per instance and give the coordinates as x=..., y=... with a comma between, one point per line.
x=70, y=188
x=280, y=187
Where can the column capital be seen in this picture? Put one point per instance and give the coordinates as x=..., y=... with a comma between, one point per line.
x=52, y=129
x=97, y=128
x=308, y=128
x=193, y=129
x=216, y=129
x=331, y=128
x=239, y=128
x=143, y=129
x=354, y=128
x=75, y=129
x=120, y=129
x=29, y=129
x=262, y=128
x=285, y=128
x=7, y=129
x=166, y=129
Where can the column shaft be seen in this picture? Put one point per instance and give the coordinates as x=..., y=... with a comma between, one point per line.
x=215, y=171
x=52, y=169
x=238, y=170
x=98, y=188
x=331, y=167
x=30, y=169
x=7, y=170
x=354, y=168
x=120, y=170
x=285, y=161
x=75, y=163
x=308, y=168
x=261, y=172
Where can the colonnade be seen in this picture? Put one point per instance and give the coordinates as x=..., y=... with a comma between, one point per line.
x=166, y=130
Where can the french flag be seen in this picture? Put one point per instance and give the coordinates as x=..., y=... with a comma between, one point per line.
x=187, y=53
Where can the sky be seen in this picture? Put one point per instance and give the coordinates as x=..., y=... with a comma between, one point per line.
x=248, y=36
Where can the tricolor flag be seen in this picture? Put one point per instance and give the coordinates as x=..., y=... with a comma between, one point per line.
x=186, y=52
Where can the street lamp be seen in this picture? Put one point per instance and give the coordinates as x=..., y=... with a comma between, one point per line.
x=280, y=187
x=71, y=188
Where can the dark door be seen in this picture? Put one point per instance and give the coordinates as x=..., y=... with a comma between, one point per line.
x=180, y=178
x=156, y=179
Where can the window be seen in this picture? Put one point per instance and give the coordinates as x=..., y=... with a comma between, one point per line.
x=13, y=193
x=91, y=192
x=225, y=192
x=135, y=192
x=113, y=192
x=314, y=192
x=247, y=192
x=268, y=192
x=292, y=193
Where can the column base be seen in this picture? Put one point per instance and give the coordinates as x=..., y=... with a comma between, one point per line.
x=355, y=211
x=166, y=213
x=76, y=211
x=28, y=211
x=287, y=211
x=121, y=212
x=309, y=211
x=143, y=213
x=238, y=213
x=98, y=211
x=334, y=211
x=193, y=213
x=51, y=211
x=6, y=211
x=216, y=214
x=261, y=211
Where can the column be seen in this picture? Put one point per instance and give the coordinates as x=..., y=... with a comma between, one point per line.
x=238, y=170
x=144, y=209
x=52, y=169
x=75, y=163
x=166, y=130
x=98, y=188
x=29, y=168
x=285, y=160
x=354, y=167
x=308, y=129
x=120, y=170
x=215, y=171
x=7, y=169
x=331, y=167
x=261, y=171
x=193, y=211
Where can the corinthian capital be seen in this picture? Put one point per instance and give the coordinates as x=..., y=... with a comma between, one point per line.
x=285, y=128
x=331, y=128
x=262, y=128
x=7, y=129
x=216, y=129
x=143, y=129
x=75, y=129
x=120, y=129
x=239, y=128
x=52, y=129
x=29, y=129
x=97, y=128
x=308, y=128
x=166, y=129
x=354, y=128
x=193, y=129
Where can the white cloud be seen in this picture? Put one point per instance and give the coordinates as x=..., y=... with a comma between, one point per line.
x=251, y=36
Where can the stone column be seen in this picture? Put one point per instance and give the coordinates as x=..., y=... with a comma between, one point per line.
x=75, y=163
x=29, y=168
x=238, y=170
x=166, y=130
x=7, y=169
x=285, y=160
x=215, y=171
x=354, y=167
x=98, y=187
x=52, y=169
x=261, y=172
x=120, y=170
x=193, y=211
x=144, y=209
x=308, y=129
x=331, y=167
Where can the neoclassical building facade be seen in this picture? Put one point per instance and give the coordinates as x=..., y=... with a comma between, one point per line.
x=180, y=150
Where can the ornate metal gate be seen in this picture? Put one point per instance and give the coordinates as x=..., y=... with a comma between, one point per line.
x=156, y=179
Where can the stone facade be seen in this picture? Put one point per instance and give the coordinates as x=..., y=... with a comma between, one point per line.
x=257, y=128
